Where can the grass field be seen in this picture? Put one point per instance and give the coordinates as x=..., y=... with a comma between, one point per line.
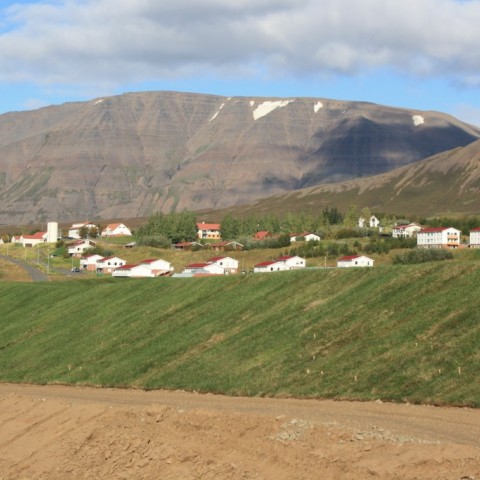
x=400, y=333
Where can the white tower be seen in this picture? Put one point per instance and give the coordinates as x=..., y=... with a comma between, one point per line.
x=52, y=232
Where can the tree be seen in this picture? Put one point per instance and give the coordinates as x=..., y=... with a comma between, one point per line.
x=351, y=217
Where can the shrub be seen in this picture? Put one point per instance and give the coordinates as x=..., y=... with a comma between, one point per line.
x=422, y=256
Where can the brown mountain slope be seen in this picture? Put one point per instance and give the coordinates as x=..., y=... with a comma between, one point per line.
x=445, y=184
x=132, y=154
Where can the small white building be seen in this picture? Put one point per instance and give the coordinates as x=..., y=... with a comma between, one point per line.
x=292, y=262
x=270, y=266
x=78, y=248
x=439, y=237
x=306, y=236
x=89, y=262
x=109, y=264
x=32, y=240
x=229, y=264
x=157, y=266
x=204, y=269
x=405, y=231
x=74, y=230
x=373, y=222
x=354, y=261
x=474, y=241
x=116, y=230
x=209, y=231
x=133, y=271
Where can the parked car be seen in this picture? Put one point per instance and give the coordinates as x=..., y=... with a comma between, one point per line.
x=76, y=270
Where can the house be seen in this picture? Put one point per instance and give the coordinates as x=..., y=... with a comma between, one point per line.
x=226, y=246
x=89, y=262
x=204, y=268
x=405, y=231
x=305, y=236
x=292, y=262
x=474, y=241
x=229, y=264
x=32, y=240
x=74, y=230
x=270, y=266
x=208, y=231
x=355, y=261
x=116, y=230
x=157, y=266
x=109, y=264
x=78, y=248
x=186, y=245
x=373, y=222
x=15, y=239
x=439, y=237
x=133, y=271
x=262, y=235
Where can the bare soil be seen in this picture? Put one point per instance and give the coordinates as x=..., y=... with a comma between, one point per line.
x=57, y=432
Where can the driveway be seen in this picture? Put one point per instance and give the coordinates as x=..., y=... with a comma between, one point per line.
x=35, y=274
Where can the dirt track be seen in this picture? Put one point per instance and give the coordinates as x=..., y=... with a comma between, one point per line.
x=57, y=432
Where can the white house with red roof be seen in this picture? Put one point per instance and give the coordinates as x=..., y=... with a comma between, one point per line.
x=439, y=237
x=292, y=262
x=305, y=236
x=204, y=268
x=109, y=264
x=116, y=230
x=157, y=266
x=474, y=241
x=405, y=231
x=270, y=266
x=32, y=240
x=74, y=230
x=78, y=248
x=229, y=264
x=209, y=231
x=133, y=271
x=89, y=262
x=355, y=261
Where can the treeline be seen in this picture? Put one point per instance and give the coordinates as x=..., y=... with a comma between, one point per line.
x=464, y=224
x=234, y=227
x=163, y=229
x=422, y=256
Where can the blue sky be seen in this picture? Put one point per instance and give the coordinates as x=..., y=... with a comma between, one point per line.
x=419, y=54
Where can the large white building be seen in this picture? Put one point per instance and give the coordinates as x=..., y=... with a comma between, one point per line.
x=439, y=237
x=475, y=238
x=405, y=231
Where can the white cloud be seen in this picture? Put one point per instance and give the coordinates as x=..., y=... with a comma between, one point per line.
x=110, y=42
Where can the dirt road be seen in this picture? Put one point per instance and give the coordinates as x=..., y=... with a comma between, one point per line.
x=56, y=432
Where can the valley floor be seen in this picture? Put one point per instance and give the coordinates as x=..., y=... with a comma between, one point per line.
x=57, y=432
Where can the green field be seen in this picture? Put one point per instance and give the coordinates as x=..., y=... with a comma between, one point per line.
x=400, y=333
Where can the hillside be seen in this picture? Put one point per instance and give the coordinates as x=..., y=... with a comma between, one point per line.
x=132, y=154
x=397, y=333
x=444, y=184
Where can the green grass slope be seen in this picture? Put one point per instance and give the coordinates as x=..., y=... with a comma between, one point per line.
x=403, y=333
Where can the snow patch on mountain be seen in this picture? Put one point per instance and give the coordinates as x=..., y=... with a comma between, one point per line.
x=317, y=107
x=267, y=107
x=418, y=120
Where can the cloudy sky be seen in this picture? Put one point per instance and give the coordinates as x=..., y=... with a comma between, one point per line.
x=420, y=54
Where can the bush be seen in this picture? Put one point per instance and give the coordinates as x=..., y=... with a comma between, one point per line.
x=422, y=256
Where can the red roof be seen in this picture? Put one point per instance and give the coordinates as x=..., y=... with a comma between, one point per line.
x=208, y=226
x=262, y=234
x=149, y=260
x=35, y=236
x=215, y=259
x=126, y=267
x=347, y=258
x=285, y=257
x=264, y=264
x=475, y=229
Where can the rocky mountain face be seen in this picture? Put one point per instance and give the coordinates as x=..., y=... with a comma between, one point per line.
x=130, y=155
x=445, y=184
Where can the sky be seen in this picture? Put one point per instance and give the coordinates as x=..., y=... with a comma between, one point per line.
x=418, y=54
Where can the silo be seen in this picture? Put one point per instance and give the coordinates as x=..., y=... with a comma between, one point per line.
x=52, y=232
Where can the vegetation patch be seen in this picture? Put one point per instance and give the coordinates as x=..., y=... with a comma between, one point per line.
x=399, y=333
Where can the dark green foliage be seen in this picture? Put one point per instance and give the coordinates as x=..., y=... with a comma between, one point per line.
x=98, y=250
x=422, y=256
x=317, y=249
x=172, y=227
x=464, y=224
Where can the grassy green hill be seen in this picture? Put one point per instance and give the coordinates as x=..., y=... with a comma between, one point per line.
x=402, y=333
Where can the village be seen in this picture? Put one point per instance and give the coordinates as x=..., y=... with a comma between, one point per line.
x=82, y=239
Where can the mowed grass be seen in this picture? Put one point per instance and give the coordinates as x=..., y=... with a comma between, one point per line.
x=399, y=333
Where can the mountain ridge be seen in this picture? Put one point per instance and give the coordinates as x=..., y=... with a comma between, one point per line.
x=135, y=153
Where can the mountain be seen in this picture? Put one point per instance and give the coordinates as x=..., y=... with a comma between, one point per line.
x=132, y=154
x=444, y=184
